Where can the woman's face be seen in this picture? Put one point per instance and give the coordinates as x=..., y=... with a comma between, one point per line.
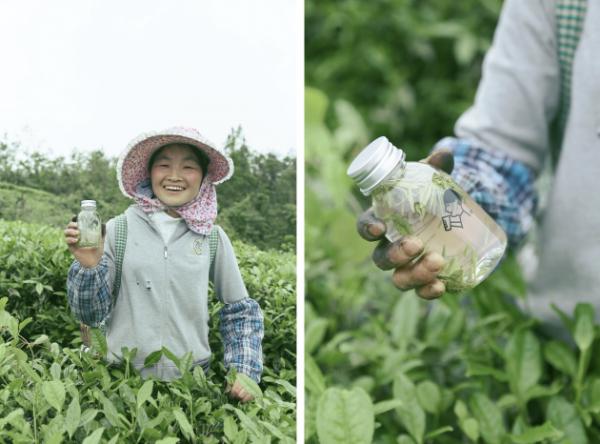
x=176, y=175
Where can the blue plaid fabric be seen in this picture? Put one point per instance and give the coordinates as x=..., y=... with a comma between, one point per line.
x=502, y=186
x=242, y=331
x=241, y=326
x=89, y=292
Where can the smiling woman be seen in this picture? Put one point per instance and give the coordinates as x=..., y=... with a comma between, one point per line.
x=160, y=299
x=176, y=173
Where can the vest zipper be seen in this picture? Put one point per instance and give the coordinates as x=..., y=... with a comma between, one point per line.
x=166, y=252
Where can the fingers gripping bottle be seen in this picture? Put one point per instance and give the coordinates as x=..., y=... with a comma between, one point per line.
x=414, y=198
x=88, y=223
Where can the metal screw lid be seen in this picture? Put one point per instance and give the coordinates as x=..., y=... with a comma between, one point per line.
x=88, y=204
x=374, y=163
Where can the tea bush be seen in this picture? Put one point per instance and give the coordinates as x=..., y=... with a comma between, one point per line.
x=53, y=392
x=386, y=367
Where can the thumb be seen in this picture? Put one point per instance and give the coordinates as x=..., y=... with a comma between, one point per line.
x=442, y=159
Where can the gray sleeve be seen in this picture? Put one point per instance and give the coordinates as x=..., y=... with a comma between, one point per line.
x=225, y=273
x=518, y=95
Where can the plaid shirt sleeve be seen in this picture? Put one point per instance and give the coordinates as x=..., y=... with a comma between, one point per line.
x=502, y=186
x=88, y=291
x=242, y=331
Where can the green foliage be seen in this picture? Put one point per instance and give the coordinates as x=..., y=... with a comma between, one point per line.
x=465, y=368
x=259, y=201
x=53, y=392
x=410, y=67
x=257, y=205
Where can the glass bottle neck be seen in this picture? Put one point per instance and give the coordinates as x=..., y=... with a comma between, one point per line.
x=395, y=174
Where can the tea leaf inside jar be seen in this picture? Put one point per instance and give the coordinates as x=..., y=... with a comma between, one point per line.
x=444, y=182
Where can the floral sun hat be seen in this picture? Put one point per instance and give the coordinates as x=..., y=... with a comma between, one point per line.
x=134, y=177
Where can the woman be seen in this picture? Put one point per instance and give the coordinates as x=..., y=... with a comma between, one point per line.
x=162, y=301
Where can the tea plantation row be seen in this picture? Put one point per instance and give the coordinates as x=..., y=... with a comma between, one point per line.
x=52, y=392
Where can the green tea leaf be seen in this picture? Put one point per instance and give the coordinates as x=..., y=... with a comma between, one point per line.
x=476, y=369
x=313, y=336
x=523, y=361
x=438, y=432
x=170, y=355
x=460, y=409
x=54, y=392
x=230, y=428
x=405, y=439
x=561, y=357
x=314, y=380
x=95, y=437
x=489, y=417
x=114, y=439
x=88, y=416
x=385, y=406
x=405, y=318
x=345, y=417
x=152, y=358
x=184, y=424
x=584, y=326
x=169, y=440
x=73, y=417
x=55, y=371
x=540, y=391
x=316, y=104
x=110, y=411
x=410, y=413
x=144, y=393
x=249, y=385
x=541, y=433
x=429, y=396
x=564, y=417
x=471, y=428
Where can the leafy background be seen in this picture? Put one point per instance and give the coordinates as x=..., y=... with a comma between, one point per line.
x=52, y=392
x=36, y=187
x=384, y=366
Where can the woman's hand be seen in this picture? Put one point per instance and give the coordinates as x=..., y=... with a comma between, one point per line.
x=238, y=392
x=87, y=257
x=420, y=275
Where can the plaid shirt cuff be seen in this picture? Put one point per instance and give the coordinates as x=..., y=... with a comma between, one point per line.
x=502, y=186
x=242, y=331
x=88, y=292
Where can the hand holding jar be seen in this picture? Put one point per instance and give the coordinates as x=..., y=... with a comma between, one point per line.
x=435, y=236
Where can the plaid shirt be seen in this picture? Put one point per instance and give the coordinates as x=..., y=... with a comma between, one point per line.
x=502, y=186
x=241, y=326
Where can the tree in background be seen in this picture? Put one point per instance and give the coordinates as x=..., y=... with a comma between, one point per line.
x=258, y=204
x=409, y=67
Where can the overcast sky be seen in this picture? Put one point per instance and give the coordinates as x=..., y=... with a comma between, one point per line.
x=93, y=74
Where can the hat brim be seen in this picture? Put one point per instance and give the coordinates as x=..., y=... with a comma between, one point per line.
x=132, y=167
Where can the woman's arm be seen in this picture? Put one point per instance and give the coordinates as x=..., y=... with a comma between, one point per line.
x=518, y=95
x=242, y=330
x=241, y=319
x=89, y=290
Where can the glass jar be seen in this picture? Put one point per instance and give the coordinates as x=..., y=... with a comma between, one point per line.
x=414, y=198
x=88, y=223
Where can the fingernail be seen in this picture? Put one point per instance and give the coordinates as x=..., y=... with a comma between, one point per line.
x=375, y=229
x=412, y=246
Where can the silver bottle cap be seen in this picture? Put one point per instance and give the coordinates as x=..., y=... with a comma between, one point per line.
x=88, y=204
x=374, y=163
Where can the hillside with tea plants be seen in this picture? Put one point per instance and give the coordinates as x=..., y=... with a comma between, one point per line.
x=53, y=392
x=257, y=205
